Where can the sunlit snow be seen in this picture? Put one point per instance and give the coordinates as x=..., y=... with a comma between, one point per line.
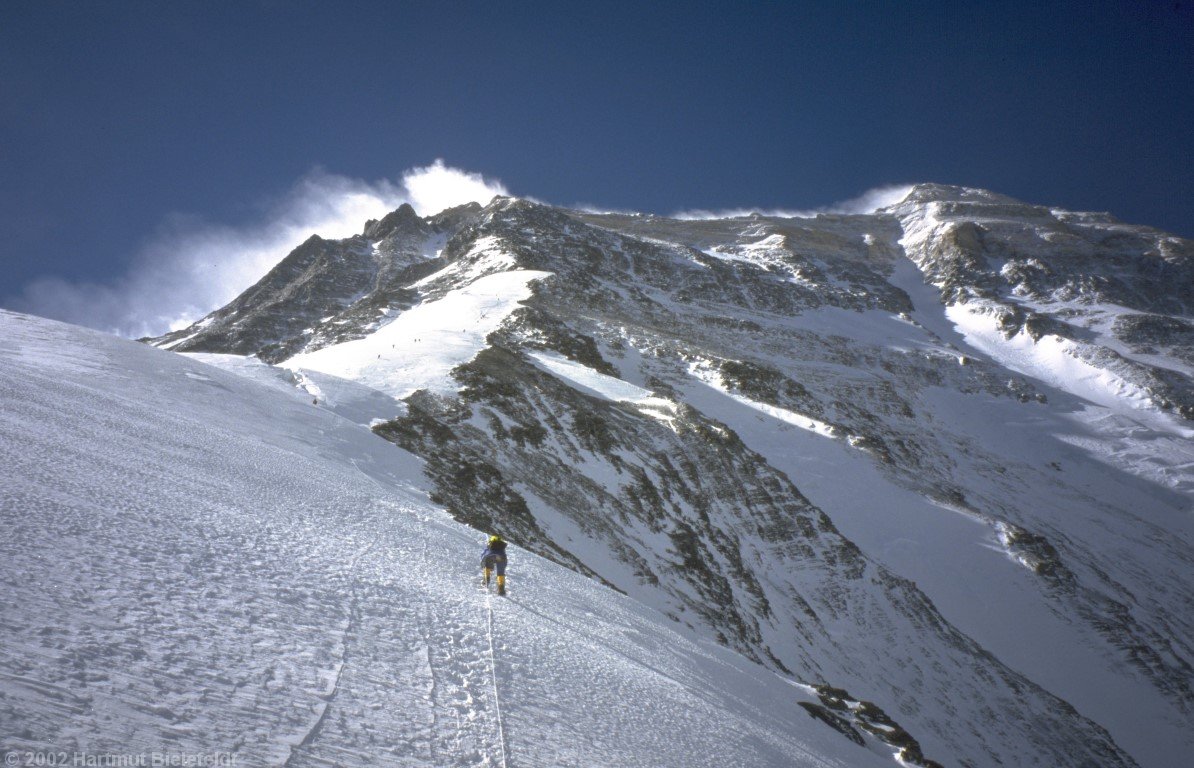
x=419, y=348
x=226, y=568
x=597, y=383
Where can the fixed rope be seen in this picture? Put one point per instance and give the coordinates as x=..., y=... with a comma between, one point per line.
x=497, y=707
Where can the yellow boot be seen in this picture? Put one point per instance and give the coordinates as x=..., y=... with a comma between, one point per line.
x=485, y=578
x=501, y=584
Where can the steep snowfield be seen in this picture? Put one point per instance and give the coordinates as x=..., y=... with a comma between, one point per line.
x=199, y=562
x=1052, y=359
x=419, y=348
x=957, y=557
x=603, y=386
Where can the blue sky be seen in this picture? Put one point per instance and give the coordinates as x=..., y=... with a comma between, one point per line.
x=126, y=126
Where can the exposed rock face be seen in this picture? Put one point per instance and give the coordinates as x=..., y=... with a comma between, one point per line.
x=653, y=415
x=325, y=291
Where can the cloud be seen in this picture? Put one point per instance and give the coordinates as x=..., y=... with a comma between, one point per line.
x=872, y=200
x=436, y=187
x=191, y=267
x=604, y=210
x=868, y=202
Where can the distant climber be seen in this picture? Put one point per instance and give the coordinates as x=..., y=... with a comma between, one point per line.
x=494, y=558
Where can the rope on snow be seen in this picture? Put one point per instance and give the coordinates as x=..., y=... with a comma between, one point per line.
x=497, y=707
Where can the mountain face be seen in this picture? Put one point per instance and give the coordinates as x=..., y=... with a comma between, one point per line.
x=933, y=461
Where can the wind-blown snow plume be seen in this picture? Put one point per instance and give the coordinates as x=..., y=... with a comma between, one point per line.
x=191, y=266
x=868, y=202
x=437, y=186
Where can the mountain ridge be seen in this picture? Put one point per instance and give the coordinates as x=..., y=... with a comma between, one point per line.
x=608, y=405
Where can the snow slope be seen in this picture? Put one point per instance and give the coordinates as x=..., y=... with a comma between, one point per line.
x=200, y=562
x=937, y=455
x=419, y=348
x=959, y=559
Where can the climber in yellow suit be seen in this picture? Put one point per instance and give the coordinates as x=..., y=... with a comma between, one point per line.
x=494, y=558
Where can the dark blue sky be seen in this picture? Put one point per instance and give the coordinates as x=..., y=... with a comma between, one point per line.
x=116, y=115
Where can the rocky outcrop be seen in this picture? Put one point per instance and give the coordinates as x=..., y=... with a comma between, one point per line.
x=326, y=292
